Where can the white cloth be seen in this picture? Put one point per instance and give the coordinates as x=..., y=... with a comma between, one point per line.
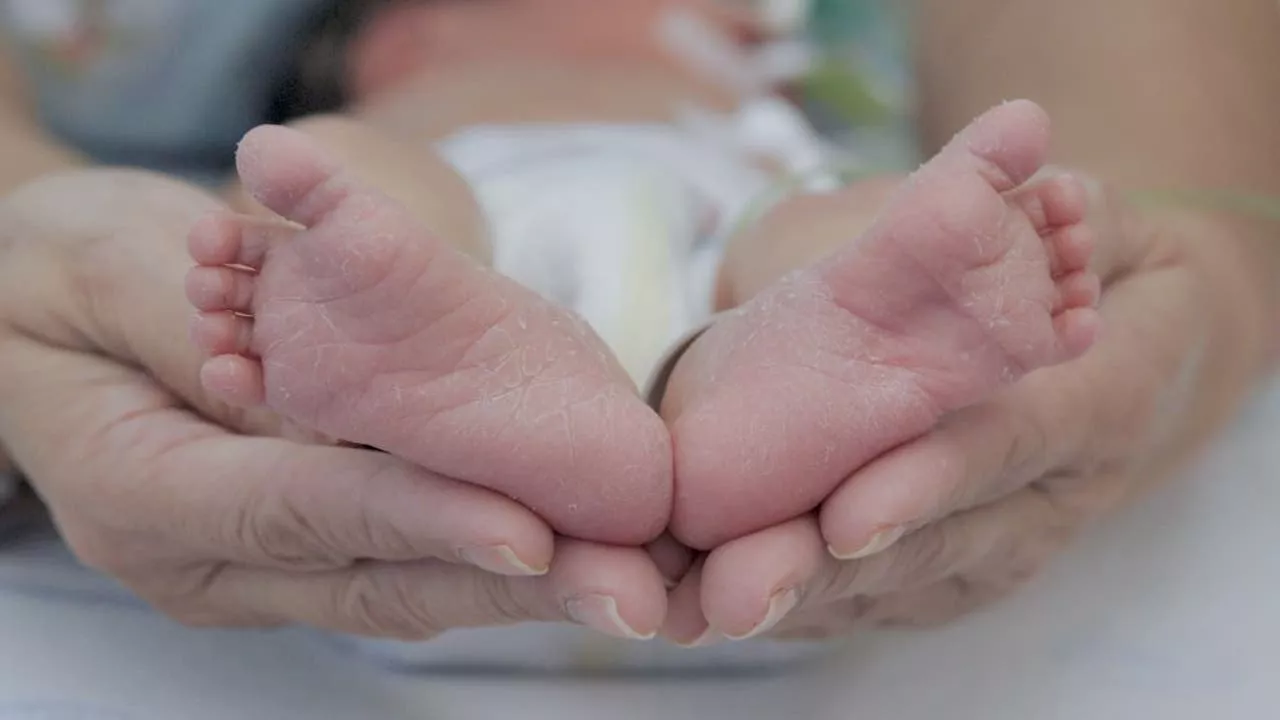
x=625, y=224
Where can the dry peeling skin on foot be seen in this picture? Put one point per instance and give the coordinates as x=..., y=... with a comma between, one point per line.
x=390, y=337
x=876, y=343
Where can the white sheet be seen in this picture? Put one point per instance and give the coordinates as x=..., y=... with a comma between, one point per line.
x=1168, y=611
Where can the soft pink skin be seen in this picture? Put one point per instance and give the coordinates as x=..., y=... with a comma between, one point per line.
x=969, y=280
x=366, y=327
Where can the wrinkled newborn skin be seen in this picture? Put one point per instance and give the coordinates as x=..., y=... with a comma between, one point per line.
x=370, y=328
x=367, y=327
x=971, y=278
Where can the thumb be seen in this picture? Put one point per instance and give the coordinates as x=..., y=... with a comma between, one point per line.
x=616, y=591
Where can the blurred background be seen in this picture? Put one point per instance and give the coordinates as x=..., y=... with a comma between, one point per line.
x=173, y=84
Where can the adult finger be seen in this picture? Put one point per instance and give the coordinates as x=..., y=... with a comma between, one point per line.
x=1011, y=533
x=685, y=624
x=975, y=456
x=617, y=591
x=752, y=584
x=205, y=494
x=930, y=606
x=748, y=585
x=276, y=504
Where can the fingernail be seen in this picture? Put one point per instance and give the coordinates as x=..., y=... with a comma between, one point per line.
x=882, y=540
x=499, y=559
x=708, y=637
x=780, y=605
x=600, y=613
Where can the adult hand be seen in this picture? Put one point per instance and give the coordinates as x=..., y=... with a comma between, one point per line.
x=974, y=509
x=101, y=407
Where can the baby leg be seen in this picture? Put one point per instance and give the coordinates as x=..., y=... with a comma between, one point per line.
x=410, y=174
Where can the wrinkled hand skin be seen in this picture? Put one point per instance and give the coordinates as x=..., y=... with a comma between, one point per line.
x=945, y=574
x=992, y=495
x=1063, y=448
x=215, y=528
x=208, y=514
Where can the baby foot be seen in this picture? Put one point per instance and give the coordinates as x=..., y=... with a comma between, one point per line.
x=354, y=321
x=971, y=278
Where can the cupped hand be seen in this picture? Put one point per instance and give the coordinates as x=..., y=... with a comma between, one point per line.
x=971, y=511
x=200, y=510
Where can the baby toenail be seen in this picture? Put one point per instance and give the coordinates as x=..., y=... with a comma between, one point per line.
x=882, y=540
x=780, y=605
x=600, y=613
x=499, y=559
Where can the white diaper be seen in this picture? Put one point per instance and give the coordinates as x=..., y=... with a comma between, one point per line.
x=625, y=224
